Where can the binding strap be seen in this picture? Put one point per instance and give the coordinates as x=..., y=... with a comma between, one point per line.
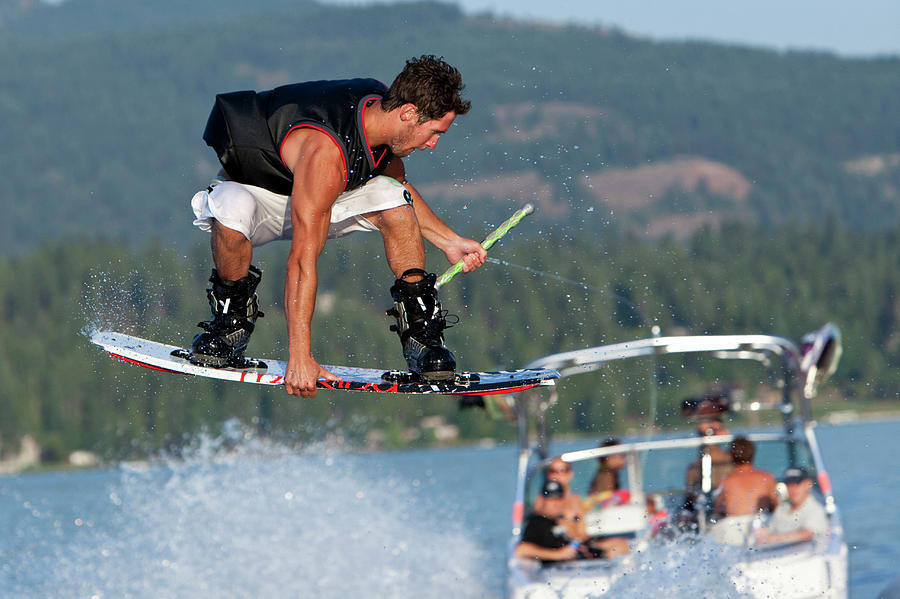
x=411, y=272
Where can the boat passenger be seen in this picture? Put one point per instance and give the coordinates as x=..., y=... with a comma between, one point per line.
x=710, y=425
x=548, y=532
x=566, y=505
x=567, y=510
x=800, y=518
x=560, y=471
x=743, y=495
x=606, y=487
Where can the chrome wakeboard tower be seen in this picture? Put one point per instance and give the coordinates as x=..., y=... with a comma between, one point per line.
x=800, y=368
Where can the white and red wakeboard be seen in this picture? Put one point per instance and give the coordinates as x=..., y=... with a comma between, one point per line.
x=171, y=358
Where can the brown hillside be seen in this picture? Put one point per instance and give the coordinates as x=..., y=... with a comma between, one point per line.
x=623, y=191
x=529, y=122
x=627, y=189
x=524, y=186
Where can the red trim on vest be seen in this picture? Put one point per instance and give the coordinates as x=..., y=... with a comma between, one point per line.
x=379, y=158
x=330, y=136
x=366, y=137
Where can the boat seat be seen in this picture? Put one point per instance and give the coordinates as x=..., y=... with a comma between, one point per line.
x=616, y=520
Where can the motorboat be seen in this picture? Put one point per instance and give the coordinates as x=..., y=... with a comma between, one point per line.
x=664, y=504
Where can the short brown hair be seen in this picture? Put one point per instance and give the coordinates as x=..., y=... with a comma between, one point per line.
x=431, y=85
x=742, y=451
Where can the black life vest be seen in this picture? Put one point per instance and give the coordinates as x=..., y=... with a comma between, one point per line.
x=247, y=130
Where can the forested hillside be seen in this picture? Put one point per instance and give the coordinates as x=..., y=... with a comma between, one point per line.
x=699, y=187
x=69, y=395
x=103, y=122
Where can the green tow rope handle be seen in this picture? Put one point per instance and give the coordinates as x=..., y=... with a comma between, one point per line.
x=490, y=240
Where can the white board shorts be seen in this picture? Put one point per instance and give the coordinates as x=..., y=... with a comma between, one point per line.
x=264, y=216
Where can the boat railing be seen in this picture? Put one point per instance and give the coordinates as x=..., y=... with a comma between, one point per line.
x=587, y=360
x=641, y=446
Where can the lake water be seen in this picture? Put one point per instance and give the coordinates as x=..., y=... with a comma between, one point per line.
x=239, y=517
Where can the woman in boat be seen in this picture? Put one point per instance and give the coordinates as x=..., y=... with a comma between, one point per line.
x=606, y=487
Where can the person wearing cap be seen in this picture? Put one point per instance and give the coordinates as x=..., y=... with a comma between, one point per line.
x=801, y=518
x=560, y=472
x=556, y=529
x=557, y=500
x=548, y=533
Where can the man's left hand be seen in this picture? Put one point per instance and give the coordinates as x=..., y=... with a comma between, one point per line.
x=467, y=250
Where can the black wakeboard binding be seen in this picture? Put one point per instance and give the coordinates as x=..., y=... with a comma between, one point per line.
x=235, y=309
x=420, y=325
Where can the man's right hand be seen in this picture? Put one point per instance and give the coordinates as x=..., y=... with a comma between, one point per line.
x=301, y=375
x=319, y=177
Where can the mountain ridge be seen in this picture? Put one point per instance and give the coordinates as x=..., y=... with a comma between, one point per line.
x=107, y=123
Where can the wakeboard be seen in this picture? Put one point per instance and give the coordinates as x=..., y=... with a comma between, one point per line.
x=171, y=358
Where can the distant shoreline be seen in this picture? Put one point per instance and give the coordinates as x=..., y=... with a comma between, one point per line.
x=833, y=418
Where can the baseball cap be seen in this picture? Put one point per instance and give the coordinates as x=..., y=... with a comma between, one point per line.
x=795, y=475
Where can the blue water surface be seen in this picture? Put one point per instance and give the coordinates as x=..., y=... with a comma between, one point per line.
x=256, y=519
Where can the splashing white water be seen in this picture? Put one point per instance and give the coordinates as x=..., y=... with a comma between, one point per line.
x=254, y=519
x=681, y=568
x=119, y=301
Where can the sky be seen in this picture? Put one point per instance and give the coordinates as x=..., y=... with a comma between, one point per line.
x=851, y=28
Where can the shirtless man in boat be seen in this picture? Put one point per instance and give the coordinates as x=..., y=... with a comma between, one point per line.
x=743, y=494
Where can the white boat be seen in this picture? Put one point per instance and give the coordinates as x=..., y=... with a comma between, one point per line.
x=652, y=512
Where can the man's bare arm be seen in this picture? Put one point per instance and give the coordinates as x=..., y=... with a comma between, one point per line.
x=433, y=229
x=531, y=550
x=318, y=180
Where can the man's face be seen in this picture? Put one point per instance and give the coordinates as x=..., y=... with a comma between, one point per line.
x=798, y=492
x=560, y=471
x=414, y=135
x=615, y=461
